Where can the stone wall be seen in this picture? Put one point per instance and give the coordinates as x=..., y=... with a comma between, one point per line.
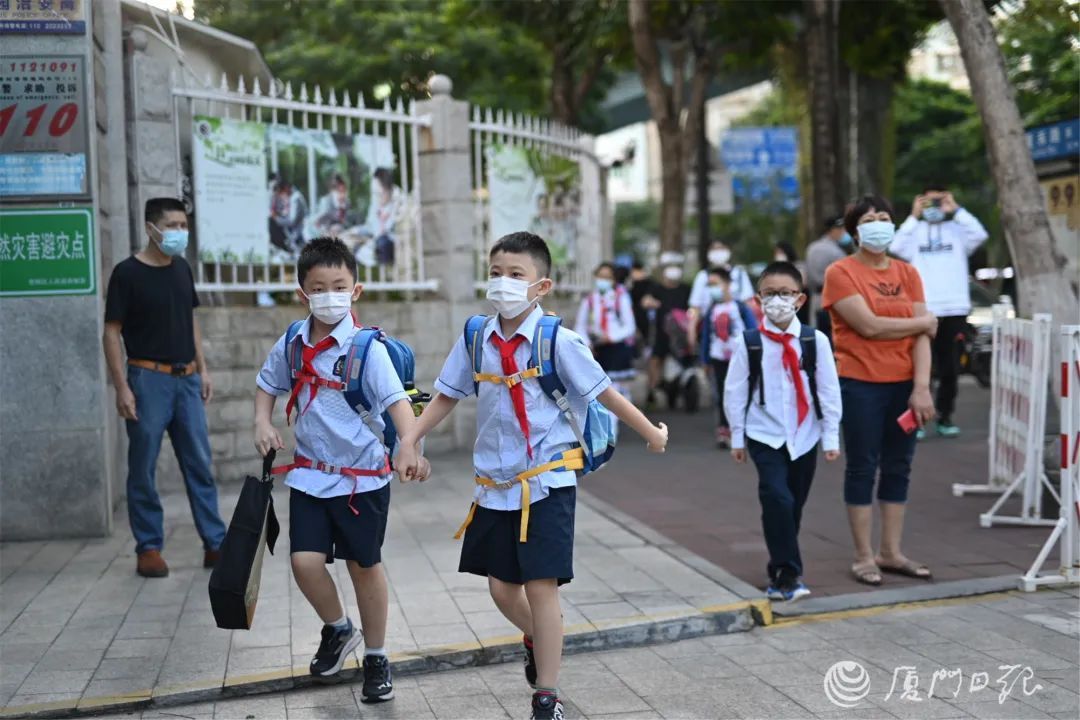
x=237, y=340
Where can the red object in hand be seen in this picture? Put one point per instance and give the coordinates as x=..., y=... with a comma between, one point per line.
x=907, y=422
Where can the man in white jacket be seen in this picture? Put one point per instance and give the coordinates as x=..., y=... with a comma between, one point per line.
x=938, y=238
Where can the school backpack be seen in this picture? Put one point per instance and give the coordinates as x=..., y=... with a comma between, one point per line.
x=597, y=437
x=401, y=355
x=808, y=363
x=707, y=327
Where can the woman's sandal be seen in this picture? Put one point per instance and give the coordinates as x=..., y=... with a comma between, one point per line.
x=908, y=568
x=866, y=573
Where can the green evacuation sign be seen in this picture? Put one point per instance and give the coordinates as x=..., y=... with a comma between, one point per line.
x=46, y=251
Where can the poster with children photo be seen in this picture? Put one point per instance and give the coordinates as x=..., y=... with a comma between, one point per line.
x=544, y=188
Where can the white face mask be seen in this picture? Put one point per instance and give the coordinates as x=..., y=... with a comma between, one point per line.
x=779, y=310
x=673, y=273
x=719, y=256
x=330, y=307
x=509, y=296
x=876, y=236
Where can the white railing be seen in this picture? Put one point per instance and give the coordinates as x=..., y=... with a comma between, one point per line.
x=1020, y=371
x=548, y=197
x=1066, y=532
x=394, y=125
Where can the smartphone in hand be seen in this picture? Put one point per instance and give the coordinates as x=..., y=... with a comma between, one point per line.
x=907, y=422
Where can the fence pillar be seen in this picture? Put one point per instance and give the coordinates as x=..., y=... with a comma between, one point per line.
x=448, y=216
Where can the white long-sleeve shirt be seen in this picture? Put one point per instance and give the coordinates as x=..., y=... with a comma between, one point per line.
x=776, y=423
x=616, y=306
x=940, y=251
x=741, y=288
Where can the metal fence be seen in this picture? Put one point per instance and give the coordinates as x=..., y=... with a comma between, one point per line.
x=567, y=215
x=280, y=105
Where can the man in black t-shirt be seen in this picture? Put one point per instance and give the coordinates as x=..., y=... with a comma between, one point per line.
x=150, y=307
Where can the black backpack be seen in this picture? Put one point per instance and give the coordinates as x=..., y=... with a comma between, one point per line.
x=808, y=363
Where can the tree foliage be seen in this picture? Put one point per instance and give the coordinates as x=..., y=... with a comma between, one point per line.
x=515, y=56
x=1040, y=40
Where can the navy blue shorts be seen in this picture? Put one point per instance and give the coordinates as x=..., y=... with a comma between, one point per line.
x=326, y=525
x=491, y=545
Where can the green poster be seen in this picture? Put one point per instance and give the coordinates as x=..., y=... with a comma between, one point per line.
x=47, y=251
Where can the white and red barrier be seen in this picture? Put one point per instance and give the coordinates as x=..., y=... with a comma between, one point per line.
x=1066, y=530
x=1020, y=371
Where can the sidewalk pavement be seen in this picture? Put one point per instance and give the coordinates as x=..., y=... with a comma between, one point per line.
x=709, y=505
x=777, y=672
x=80, y=631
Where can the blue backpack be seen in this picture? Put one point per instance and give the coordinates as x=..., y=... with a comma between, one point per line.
x=401, y=355
x=597, y=437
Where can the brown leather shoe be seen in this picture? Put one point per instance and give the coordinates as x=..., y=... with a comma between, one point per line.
x=151, y=564
x=210, y=558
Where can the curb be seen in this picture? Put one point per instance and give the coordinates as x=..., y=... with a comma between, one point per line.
x=586, y=637
x=897, y=596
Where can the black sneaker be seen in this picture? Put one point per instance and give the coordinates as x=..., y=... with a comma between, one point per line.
x=378, y=682
x=546, y=706
x=530, y=661
x=334, y=648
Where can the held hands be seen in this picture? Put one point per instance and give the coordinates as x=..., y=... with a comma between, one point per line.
x=657, y=443
x=922, y=405
x=410, y=464
x=125, y=403
x=267, y=438
x=832, y=455
x=738, y=455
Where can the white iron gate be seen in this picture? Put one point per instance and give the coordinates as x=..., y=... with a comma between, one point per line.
x=280, y=109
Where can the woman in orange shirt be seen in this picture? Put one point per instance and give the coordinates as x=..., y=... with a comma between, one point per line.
x=882, y=331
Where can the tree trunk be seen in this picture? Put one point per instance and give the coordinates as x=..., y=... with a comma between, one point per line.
x=1045, y=282
x=673, y=172
x=822, y=85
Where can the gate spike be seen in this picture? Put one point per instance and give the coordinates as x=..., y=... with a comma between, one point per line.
x=209, y=82
x=303, y=92
x=400, y=106
x=256, y=88
x=224, y=82
x=241, y=87
x=333, y=98
x=318, y=95
x=345, y=101
x=288, y=90
x=360, y=102
x=386, y=104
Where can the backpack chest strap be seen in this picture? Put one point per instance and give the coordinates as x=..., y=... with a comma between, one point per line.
x=507, y=380
x=299, y=461
x=308, y=379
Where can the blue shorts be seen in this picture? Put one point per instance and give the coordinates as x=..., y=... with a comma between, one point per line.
x=491, y=546
x=328, y=526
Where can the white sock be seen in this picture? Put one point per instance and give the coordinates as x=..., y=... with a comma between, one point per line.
x=342, y=624
x=375, y=651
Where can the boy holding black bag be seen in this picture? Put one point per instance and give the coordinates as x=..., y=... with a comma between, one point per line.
x=339, y=478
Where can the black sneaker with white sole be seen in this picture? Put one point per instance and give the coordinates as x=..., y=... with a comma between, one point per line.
x=334, y=648
x=530, y=661
x=546, y=706
x=378, y=682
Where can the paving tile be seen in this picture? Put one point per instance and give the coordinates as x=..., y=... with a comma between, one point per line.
x=323, y=712
x=55, y=681
x=483, y=707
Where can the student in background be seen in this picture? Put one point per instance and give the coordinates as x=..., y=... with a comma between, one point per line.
x=723, y=324
x=605, y=320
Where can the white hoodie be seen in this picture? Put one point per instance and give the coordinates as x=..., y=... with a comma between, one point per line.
x=940, y=251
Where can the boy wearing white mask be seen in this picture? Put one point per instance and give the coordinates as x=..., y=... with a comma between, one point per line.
x=164, y=385
x=782, y=397
x=520, y=531
x=339, y=480
x=605, y=320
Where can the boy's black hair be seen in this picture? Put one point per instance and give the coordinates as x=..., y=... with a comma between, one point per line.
x=608, y=266
x=157, y=207
x=833, y=221
x=782, y=267
x=862, y=206
x=525, y=243
x=935, y=186
x=637, y=265
x=721, y=272
x=324, y=252
x=622, y=273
